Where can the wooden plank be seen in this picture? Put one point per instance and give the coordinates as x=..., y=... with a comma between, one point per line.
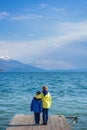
x=53, y=121
x=26, y=122
x=58, y=122
x=67, y=127
x=63, y=123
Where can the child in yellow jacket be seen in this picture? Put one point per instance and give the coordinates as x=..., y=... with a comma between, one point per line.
x=46, y=103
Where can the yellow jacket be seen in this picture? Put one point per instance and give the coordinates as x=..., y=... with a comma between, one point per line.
x=46, y=100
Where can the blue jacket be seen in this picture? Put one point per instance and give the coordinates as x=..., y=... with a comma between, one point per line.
x=36, y=105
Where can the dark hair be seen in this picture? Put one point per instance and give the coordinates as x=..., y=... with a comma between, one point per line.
x=38, y=92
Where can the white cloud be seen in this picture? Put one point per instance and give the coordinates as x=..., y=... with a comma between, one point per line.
x=73, y=27
x=57, y=9
x=43, y=5
x=53, y=64
x=42, y=52
x=70, y=32
x=26, y=17
x=4, y=14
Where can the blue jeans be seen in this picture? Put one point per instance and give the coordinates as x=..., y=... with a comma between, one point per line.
x=37, y=117
x=45, y=115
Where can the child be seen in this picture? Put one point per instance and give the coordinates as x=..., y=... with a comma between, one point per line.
x=46, y=101
x=36, y=106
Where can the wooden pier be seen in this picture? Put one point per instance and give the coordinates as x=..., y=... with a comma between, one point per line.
x=26, y=122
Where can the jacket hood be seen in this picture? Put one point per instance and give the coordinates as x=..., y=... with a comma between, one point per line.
x=45, y=92
x=38, y=96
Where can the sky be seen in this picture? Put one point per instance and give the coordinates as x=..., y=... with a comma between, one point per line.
x=49, y=34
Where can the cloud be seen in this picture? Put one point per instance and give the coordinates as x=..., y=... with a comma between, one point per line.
x=60, y=51
x=43, y=5
x=53, y=64
x=4, y=14
x=52, y=10
x=71, y=32
x=62, y=10
x=66, y=33
x=3, y=52
x=26, y=17
x=73, y=27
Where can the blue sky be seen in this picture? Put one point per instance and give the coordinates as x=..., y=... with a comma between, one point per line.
x=49, y=34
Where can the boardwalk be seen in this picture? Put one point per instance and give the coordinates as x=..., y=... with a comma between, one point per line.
x=26, y=122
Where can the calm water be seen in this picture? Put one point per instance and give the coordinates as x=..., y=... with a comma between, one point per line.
x=68, y=90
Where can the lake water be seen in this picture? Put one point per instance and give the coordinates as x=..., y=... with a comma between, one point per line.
x=68, y=90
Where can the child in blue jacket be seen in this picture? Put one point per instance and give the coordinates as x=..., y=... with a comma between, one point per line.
x=36, y=106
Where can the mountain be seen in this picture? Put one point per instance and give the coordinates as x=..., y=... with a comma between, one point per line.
x=10, y=65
